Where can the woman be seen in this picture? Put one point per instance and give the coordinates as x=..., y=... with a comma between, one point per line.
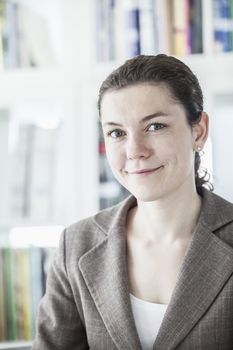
x=155, y=271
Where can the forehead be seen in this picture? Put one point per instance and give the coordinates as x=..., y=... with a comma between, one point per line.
x=140, y=99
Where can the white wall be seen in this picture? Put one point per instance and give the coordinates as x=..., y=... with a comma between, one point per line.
x=222, y=144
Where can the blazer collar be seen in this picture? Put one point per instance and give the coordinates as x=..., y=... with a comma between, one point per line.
x=216, y=211
x=104, y=269
x=207, y=265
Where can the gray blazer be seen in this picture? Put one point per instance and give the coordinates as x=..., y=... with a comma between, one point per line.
x=87, y=304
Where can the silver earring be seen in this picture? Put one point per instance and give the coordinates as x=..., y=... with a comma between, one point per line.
x=198, y=149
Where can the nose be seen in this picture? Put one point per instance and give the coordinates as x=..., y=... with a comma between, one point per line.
x=137, y=148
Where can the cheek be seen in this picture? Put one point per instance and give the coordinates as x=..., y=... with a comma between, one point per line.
x=114, y=156
x=185, y=154
x=178, y=150
x=183, y=141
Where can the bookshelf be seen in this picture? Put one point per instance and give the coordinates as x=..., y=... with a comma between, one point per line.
x=33, y=94
x=25, y=83
x=13, y=346
x=68, y=91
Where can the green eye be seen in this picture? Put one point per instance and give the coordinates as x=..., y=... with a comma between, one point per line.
x=116, y=133
x=155, y=127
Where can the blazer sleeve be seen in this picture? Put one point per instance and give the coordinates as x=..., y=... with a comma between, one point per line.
x=59, y=326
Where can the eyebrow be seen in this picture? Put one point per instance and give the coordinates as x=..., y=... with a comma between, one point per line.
x=143, y=120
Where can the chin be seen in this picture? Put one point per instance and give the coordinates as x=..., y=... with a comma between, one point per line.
x=149, y=196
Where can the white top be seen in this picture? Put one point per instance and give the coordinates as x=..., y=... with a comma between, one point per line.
x=148, y=318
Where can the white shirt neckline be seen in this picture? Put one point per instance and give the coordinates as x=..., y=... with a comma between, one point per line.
x=148, y=317
x=144, y=302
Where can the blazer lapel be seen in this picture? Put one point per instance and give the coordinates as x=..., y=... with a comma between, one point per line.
x=206, y=267
x=104, y=270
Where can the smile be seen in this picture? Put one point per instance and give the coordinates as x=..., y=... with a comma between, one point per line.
x=144, y=171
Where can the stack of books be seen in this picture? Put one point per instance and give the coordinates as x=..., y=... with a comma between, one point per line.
x=23, y=274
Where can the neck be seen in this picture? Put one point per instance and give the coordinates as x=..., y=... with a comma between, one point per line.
x=167, y=220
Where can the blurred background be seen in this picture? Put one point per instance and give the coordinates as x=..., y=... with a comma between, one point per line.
x=54, y=54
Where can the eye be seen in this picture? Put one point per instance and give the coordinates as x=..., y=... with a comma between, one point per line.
x=116, y=133
x=155, y=126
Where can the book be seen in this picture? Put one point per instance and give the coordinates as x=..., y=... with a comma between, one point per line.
x=222, y=24
x=181, y=29
x=11, y=35
x=163, y=26
x=19, y=294
x=132, y=34
x=36, y=283
x=196, y=27
x=10, y=292
x=26, y=301
x=147, y=27
x=231, y=19
x=101, y=40
x=111, y=30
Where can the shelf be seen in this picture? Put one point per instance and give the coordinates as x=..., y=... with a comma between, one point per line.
x=17, y=222
x=214, y=71
x=16, y=345
x=31, y=235
x=202, y=60
x=20, y=84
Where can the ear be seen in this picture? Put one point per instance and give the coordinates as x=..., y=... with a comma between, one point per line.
x=201, y=131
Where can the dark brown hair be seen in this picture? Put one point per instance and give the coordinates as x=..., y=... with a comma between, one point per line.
x=177, y=77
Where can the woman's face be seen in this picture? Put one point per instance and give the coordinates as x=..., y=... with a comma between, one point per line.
x=149, y=143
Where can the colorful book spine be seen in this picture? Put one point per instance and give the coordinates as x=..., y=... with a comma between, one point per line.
x=163, y=26
x=196, y=26
x=19, y=288
x=222, y=25
x=105, y=31
x=36, y=283
x=231, y=21
x=26, y=302
x=10, y=290
x=133, y=30
x=22, y=284
x=181, y=28
x=149, y=27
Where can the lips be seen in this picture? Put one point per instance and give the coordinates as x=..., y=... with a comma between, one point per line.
x=143, y=171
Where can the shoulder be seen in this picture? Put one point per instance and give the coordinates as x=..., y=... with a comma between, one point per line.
x=217, y=215
x=214, y=204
